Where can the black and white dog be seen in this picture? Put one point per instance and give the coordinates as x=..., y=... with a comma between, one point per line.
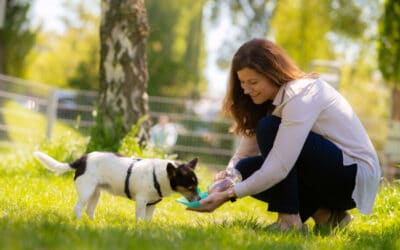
x=146, y=181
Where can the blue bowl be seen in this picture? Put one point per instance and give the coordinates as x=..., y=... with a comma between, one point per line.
x=187, y=203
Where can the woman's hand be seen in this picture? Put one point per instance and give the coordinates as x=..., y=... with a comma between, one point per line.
x=220, y=186
x=212, y=202
x=220, y=175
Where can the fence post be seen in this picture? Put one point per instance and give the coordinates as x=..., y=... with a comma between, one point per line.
x=51, y=112
x=2, y=12
x=392, y=150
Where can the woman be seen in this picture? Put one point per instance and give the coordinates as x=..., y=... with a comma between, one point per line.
x=303, y=149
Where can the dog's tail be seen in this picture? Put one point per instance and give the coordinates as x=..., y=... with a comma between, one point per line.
x=52, y=164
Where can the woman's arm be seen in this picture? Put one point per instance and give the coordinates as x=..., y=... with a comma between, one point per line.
x=298, y=116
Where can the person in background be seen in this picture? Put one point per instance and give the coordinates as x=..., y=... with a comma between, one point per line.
x=303, y=149
x=163, y=135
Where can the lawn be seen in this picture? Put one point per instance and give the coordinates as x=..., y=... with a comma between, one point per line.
x=36, y=212
x=28, y=128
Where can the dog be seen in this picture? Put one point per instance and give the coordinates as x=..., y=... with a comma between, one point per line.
x=146, y=181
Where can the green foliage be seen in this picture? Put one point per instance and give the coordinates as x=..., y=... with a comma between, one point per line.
x=105, y=138
x=86, y=76
x=175, y=48
x=248, y=19
x=369, y=99
x=63, y=148
x=307, y=36
x=130, y=145
x=16, y=39
x=73, y=57
x=345, y=17
x=389, y=42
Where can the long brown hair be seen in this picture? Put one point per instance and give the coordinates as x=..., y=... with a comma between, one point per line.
x=268, y=59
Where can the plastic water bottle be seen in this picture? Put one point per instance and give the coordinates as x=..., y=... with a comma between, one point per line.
x=232, y=176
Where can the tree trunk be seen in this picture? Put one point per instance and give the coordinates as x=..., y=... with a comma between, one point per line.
x=2, y=57
x=123, y=67
x=395, y=110
x=3, y=134
x=392, y=147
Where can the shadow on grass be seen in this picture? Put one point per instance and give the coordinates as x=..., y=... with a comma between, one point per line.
x=55, y=232
x=51, y=230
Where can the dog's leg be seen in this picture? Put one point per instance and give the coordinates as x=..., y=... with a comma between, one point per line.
x=140, y=209
x=91, y=206
x=85, y=190
x=149, y=212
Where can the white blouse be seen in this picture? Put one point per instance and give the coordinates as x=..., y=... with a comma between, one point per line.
x=306, y=105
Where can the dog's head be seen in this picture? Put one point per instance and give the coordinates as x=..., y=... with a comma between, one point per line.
x=183, y=179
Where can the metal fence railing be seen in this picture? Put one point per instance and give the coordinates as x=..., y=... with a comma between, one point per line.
x=32, y=111
x=201, y=131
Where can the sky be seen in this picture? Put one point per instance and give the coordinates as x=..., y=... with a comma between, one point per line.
x=50, y=12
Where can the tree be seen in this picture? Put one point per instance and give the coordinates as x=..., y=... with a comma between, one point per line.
x=74, y=54
x=123, y=68
x=315, y=27
x=249, y=19
x=176, y=52
x=389, y=52
x=85, y=75
x=16, y=39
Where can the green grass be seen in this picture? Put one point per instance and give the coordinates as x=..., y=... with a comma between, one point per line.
x=34, y=124
x=36, y=212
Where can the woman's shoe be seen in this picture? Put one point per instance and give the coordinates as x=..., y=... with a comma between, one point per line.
x=338, y=219
x=276, y=226
x=345, y=220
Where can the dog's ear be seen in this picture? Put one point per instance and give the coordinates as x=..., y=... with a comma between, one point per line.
x=171, y=169
x=192, y=164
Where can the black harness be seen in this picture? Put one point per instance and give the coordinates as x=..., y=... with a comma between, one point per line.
x=156, y=184
x=128, y=175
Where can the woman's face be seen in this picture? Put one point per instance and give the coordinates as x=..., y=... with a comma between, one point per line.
x=256, y=85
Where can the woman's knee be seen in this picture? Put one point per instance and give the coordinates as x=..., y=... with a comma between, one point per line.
x=249, y=165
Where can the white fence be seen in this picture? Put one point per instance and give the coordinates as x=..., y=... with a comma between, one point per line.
x=34, y=98
x=201, y=131
x=392, y=151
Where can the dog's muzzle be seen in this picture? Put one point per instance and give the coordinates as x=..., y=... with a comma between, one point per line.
x=193, y=196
